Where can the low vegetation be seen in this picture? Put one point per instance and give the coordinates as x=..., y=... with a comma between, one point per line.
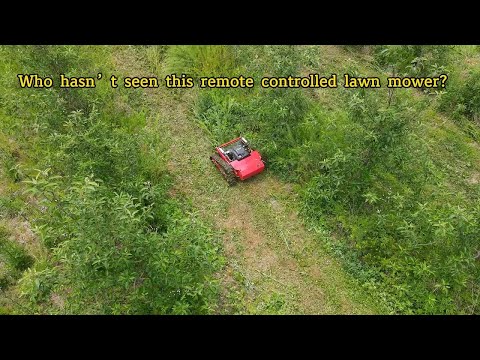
x=389, y=175
x=387, y=179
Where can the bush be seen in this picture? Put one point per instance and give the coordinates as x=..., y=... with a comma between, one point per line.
x=463, y=97
x=115, y=241
x=119, y=244
x=414, y=60
x=114, y=260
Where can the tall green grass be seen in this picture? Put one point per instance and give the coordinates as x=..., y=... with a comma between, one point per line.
x=372, y=171
x=197, y=60
x=92, y=182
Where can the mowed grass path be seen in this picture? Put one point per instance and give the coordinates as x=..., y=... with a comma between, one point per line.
x=274, y=265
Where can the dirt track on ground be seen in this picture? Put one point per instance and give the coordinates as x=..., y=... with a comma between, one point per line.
x=274, y=265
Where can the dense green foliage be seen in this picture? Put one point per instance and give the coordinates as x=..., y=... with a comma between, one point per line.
x=414, y=60
x=379, y=173
x=392, y=176
x=116, y=241
x=464, y=98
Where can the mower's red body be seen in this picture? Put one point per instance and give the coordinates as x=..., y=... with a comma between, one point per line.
x=236, y=160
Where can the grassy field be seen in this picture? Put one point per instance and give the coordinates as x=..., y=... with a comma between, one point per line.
x=369, y=204
x=273, y=264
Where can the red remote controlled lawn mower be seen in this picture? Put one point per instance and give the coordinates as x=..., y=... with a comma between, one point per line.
x=236, y=160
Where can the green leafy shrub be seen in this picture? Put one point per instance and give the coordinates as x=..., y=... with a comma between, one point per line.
x=463, y=97
x=120, y=245
x=97, y=184
x=113, y=260
x=414, y=60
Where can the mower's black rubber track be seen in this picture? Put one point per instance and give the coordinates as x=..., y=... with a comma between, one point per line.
x=225, y=169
